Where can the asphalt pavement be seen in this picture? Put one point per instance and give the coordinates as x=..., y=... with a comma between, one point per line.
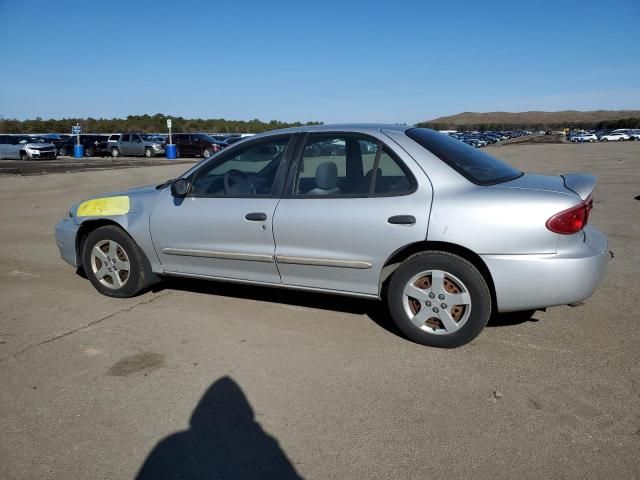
x=205, y=380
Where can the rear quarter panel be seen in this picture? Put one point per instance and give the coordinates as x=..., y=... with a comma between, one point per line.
x=493, y=220
x=486, y=219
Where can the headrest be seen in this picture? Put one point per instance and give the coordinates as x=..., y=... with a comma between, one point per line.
x=327, y=175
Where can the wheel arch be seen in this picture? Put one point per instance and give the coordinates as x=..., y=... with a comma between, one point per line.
x=400, y=255
x=90, y=225
x=86, y=228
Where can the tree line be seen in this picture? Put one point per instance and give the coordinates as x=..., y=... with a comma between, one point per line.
x=603, y=125
x=144, y=123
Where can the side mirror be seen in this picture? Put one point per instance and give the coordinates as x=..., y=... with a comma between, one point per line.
x=180, y=187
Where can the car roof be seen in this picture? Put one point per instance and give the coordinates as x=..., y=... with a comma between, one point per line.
x=337, y=127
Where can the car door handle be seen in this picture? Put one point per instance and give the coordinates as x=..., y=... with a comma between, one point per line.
x=402, y=220
x=256, y=216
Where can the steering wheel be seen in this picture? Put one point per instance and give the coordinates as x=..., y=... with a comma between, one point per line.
x=234, y=179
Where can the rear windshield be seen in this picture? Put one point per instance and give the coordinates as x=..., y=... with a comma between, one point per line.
x=472, y=163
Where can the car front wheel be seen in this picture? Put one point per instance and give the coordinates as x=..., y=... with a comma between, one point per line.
x=148, y=153
x=114, y=264
x=439, y=299
x=115, y=153
x=206, y=153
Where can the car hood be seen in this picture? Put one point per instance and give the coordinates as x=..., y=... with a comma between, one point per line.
x=38, y=145
x=141, y=199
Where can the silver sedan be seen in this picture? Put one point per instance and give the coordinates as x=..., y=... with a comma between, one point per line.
x=444, y=233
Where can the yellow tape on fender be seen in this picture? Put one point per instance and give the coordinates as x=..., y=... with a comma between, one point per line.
x=104, y=207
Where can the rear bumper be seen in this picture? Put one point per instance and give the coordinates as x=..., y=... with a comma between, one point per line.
x=66, y=231
x=525, y=282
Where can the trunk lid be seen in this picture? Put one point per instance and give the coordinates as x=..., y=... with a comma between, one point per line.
x=572, y=184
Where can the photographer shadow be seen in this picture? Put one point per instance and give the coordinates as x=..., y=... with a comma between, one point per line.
x=223, y=442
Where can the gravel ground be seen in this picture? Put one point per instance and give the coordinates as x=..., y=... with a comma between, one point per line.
x=202, y=380
x=70, y=164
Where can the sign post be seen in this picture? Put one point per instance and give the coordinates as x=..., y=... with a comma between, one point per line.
x=170, y=148
x=78, y=150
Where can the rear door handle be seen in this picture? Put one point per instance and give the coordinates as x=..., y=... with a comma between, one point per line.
x=256, y=216
x=402, y=220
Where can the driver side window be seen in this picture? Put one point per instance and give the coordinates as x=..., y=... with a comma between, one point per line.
x=250, y=171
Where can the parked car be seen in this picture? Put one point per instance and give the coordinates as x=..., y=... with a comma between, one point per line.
x=25, y=147
x=196, y=144
x=584, y=137
x=634, y=134
x=56, y=139
x=94, y=145
x=133, y=144
x=231, y=140
x=614, y=137
x=444, y=233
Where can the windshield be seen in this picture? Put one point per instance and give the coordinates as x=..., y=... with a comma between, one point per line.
x=473, y=164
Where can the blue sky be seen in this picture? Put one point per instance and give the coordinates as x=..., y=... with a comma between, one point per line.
x=328, y=61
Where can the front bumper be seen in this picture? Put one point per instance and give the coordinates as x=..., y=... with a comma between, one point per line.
x=525, y=282
x=43, y=155
x=66, y=232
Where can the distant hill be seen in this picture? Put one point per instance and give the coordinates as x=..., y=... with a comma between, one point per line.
x=563, y=118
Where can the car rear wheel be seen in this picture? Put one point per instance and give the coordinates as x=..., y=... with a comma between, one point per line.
x=206, y=153
x=115, y=152
x=90, y=152
x=114, y=264
x=605, y=139
x=439, y=299
x=148, y=153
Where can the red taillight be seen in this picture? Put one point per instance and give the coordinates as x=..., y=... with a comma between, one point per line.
x=572, y=220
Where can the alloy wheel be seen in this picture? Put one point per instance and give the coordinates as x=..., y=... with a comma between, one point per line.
x=110, y=264
x=437, y=302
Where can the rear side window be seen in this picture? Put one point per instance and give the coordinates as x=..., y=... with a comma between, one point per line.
x=390, y=177
x=348, y=165
x=473, y=164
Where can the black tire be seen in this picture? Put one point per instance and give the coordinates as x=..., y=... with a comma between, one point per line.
x=148, y=152
x=454, y=265
x=89, y=152
x=115, y=152
x=605, y=139
x=206, y=153
x=24, y=156
x=62, y=152
x=139, y=276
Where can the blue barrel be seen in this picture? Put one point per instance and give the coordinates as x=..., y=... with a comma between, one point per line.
x=78, y=151
x=171, y=151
